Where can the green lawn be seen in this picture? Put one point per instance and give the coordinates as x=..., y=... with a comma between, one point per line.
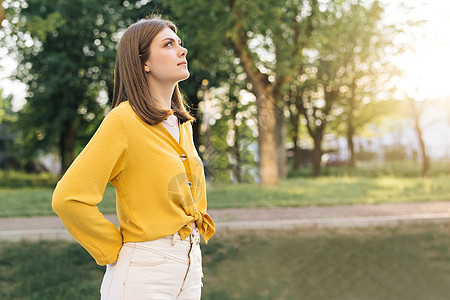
x=331, y=190
x=407, y=262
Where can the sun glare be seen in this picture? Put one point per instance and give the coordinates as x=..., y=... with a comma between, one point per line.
x=426, y=67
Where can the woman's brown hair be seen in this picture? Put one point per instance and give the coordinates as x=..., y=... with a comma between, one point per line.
x=130, y=78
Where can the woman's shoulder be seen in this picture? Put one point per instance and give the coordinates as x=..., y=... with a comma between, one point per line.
x=123, y=107
x=122, y=111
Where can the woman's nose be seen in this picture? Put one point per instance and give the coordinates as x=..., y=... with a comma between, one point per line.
x=184, y=51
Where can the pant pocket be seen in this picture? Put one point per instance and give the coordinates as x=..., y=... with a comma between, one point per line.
x=113, y=282
x=107, y=280
x=153, y=275
x=146, y=257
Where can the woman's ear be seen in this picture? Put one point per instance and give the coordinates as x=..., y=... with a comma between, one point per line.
x=146, y=67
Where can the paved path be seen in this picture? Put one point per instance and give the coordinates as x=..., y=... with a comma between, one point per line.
x=50, y=227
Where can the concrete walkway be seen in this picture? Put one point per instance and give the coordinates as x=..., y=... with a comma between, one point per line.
x=390, y=214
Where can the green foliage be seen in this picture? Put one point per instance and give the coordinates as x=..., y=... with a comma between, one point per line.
x=9, y=150
x=395, y=153
x=230, y=145
x=337, y=79
x=325, y=61
x=16, y=179
x=218, y=74
x=66, y=53
x=365, y=156
x=40, y=28
x=7, y=115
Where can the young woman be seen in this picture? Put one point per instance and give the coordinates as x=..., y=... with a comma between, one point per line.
x=144, y=147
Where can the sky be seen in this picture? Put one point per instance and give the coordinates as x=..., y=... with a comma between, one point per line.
x=425, y=69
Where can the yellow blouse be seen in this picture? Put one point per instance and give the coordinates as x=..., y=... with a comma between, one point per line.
x=160, y=185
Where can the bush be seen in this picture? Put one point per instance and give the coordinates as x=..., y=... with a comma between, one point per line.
x=16, y=179
x=365, y=156
x=398, y=153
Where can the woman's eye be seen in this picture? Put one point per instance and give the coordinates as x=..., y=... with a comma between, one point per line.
x=180, y=44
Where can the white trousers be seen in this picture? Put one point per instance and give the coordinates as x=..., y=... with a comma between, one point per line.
x=167, y=268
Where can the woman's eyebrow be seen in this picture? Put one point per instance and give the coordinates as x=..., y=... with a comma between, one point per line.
x=171, y=39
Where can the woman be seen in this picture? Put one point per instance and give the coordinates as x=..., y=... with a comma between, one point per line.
x=144, y=147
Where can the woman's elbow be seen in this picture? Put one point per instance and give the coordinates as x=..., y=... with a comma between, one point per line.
x=58, y=200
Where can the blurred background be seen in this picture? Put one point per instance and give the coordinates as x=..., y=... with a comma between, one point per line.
x=298, y=103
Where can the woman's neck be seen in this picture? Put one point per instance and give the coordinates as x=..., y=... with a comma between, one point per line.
x=163, y=93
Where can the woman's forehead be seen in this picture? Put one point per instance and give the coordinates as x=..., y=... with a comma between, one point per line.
x=167, y=34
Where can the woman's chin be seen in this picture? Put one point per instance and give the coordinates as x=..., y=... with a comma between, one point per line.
x=186, y=76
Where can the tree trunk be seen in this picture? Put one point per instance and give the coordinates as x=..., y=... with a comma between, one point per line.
x=67, y=146
x=350, y=134
x=351, y=126
x=196, y=130
x=266, y=114
x=207, y=157
x=351, y=148
x=317, y=155
x=268, y=166
x=425, y=159
x=237, y=154
x=296, y=138
x=280, y=136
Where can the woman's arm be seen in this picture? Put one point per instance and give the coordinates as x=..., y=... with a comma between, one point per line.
x=81, y=188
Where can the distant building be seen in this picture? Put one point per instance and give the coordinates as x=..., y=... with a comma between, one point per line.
x=435, y=125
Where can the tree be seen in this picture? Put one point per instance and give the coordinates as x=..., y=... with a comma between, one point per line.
x=415, y=114
x=66, y=56
x=413, y=29
x=258, y=34
x=334, y=65
x=366, y=72
x=229, y=131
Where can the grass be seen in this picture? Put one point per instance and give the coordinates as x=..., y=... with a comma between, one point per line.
x=330, y=191
x=37, y=201
x=47, y=270
x=289, y=192
x=404, y=168
x=407, y=262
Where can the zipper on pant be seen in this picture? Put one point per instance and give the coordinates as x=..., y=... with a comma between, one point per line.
x=189, y=264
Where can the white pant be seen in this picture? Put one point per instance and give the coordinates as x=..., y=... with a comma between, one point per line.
x=167, y=268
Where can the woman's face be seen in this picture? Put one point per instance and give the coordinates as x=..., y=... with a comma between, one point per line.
x=167, y=62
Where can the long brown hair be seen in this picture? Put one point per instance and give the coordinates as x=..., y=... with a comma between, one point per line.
x=130, y=78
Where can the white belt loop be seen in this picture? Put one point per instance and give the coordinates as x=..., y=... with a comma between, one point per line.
x=172, y=243
x=195, y=236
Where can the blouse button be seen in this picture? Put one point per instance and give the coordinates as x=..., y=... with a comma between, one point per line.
x=183, y=157
x=190, y=183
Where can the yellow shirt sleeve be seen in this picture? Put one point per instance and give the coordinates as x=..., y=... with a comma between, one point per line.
x=77, y=194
